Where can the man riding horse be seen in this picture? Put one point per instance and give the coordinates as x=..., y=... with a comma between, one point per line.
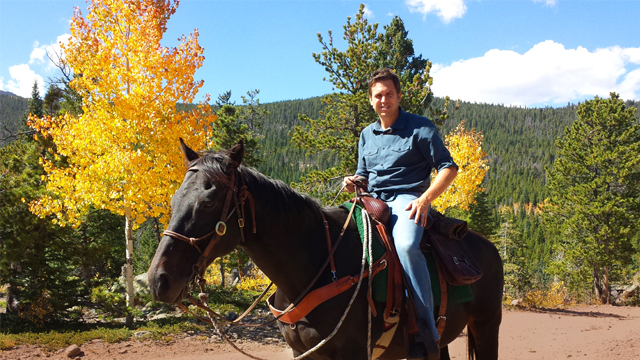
x=396, y=155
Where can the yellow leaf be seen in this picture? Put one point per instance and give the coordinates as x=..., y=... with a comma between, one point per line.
x=465, y=147
x=118, y=154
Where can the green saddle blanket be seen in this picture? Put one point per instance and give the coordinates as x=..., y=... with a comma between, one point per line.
x=456, y=294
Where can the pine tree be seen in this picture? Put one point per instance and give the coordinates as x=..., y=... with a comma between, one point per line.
x=481, y=217
x=35, y=107
x=348, y=110
x=595, y=187
x=236, y=123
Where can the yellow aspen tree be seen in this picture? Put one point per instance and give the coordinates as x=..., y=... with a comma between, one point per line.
x=465, y=147
x=120, y=153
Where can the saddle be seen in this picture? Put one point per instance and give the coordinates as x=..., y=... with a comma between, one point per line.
x=441, y=237
x=454, y=262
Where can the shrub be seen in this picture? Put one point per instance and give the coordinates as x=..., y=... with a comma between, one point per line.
x=555, y=296
x=110, y=303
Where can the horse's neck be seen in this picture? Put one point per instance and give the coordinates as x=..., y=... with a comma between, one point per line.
x=289, y=245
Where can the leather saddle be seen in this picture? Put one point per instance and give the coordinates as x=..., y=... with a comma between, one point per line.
x=442, y=237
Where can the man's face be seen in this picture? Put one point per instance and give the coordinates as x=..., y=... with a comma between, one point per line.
x=385, y=99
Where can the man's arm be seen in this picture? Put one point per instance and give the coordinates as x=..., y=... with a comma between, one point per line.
x=348, y=181
x=420, y=206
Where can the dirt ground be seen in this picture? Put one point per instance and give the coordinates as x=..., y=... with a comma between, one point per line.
x=584, y=332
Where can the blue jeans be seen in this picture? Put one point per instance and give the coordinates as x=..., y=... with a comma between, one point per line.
x=406, y=237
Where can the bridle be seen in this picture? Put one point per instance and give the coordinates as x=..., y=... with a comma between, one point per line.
x=237, y=191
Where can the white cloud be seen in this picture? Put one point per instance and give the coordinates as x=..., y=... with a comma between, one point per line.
x=547, y=2
x=447, y=10
x=23, y=75
x=546, y=74
x=22, y=78
x=39, y=53
x=367, y=12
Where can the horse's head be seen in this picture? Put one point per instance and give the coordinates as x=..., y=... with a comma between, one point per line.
x=205, y=198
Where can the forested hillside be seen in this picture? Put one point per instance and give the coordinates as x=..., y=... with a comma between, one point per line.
x=281, y=159
x=520, y=143
x=12, y=107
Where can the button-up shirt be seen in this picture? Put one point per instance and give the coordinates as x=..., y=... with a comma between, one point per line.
x=400, y=158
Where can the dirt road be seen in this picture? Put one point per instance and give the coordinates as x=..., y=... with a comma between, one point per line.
x=585, y=332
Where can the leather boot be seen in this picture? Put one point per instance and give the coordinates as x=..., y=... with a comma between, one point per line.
x=417, y=351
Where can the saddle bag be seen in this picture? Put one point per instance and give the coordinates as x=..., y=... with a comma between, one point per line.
x=453, y=228
x=458, y=265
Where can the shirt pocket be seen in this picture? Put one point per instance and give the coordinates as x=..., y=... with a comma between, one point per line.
x=370, y=157
x=401, y=154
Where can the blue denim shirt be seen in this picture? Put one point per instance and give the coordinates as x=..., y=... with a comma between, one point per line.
x=400, y=159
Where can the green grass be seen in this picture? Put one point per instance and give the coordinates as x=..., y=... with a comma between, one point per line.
x=53, y=340
x=60, y=334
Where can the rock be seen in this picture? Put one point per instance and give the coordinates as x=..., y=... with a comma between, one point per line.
x=159, y=316
x=232, y=278
x=515, y=302
x=141, y=333
x=231, y=316
x=140, y=285
x=73, y=351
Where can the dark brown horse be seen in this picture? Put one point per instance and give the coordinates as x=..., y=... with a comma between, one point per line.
x=290, y=247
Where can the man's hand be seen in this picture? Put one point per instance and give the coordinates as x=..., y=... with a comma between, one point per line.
x=419, y=209
x=420, y=206
x=349, y=184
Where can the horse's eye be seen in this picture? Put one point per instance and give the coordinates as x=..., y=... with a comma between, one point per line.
x=208, y=185
x=208, y=204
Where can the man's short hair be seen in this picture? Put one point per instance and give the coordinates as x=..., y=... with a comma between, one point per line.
x=383, y=74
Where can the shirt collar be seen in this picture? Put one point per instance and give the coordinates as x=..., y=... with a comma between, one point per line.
x=397, y=125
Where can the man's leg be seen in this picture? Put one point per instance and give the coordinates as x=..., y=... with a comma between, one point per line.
x=407, y=236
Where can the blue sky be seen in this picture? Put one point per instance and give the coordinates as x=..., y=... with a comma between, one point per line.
x=526, y=52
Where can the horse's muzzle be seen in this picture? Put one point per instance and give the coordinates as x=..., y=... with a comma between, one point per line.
x=164, y=290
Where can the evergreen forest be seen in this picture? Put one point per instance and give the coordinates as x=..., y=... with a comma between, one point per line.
x=520, y=144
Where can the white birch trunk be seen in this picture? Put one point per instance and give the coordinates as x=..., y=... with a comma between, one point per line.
x=128, y=266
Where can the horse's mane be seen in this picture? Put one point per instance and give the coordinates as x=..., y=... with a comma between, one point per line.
x=276, y=193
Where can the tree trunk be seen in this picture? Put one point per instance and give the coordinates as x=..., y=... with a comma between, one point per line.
x=240, y=265
x=156, y=224
x=606, y=287
x=222, y=271
x=128, y=266
x=596, y=281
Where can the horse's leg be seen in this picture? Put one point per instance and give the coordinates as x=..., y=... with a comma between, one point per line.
x=486, y=308
x=485, y=336
x=444, y=353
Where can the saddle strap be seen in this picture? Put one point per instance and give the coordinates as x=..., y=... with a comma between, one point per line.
x=322, y=294
x=441, y=321
x=395, y=283
x=328, y=236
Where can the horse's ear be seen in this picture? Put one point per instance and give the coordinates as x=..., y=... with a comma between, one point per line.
x=237, y=152
x=189, y=155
